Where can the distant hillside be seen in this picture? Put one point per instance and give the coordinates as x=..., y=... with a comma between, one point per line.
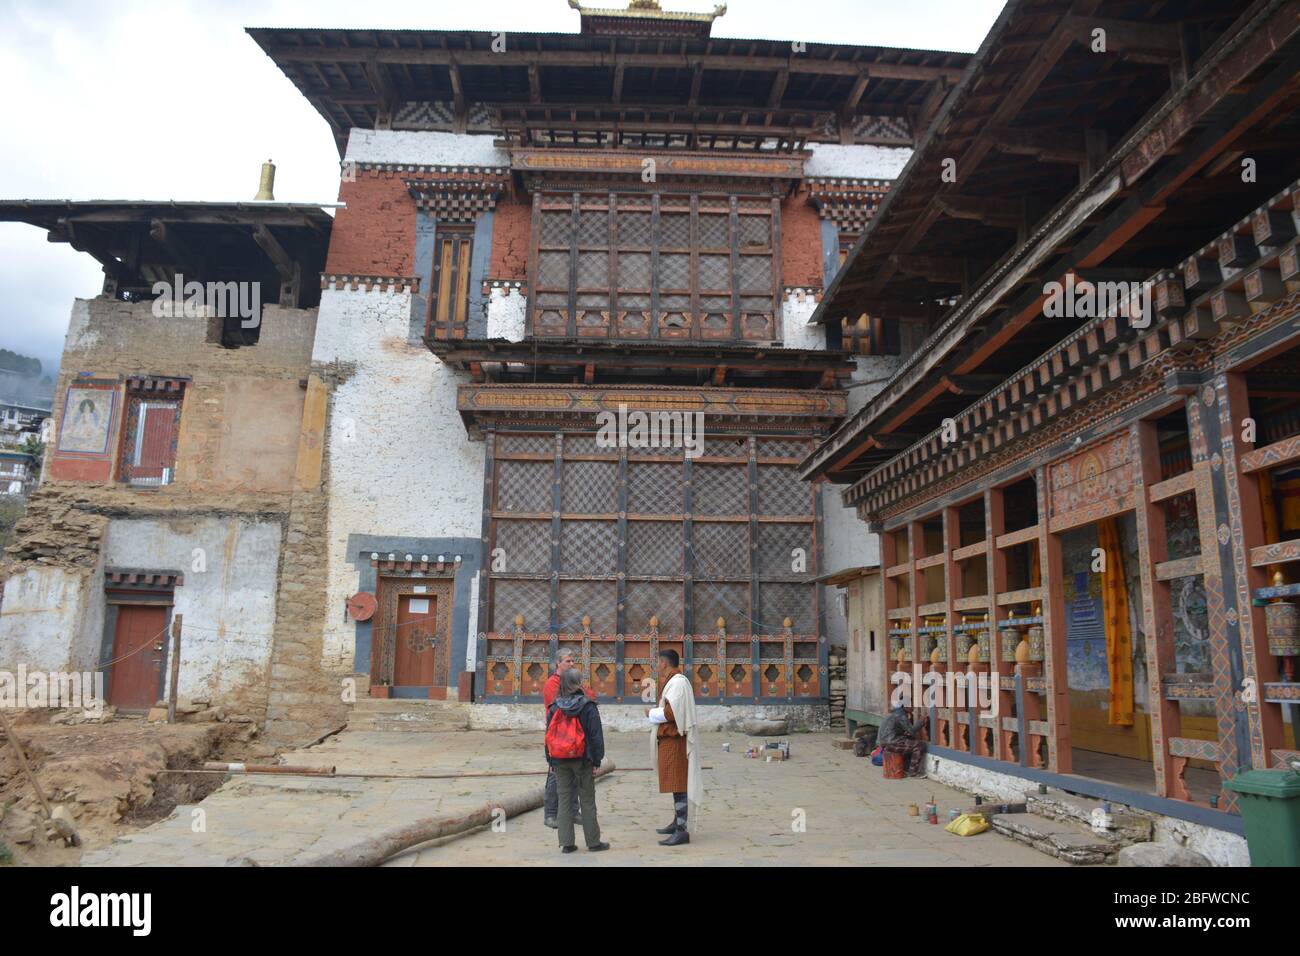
x=24, y=365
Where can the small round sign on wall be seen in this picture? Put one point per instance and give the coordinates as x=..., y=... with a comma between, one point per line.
x=362, y=606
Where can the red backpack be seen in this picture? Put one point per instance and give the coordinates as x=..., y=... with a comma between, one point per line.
x=565, y=739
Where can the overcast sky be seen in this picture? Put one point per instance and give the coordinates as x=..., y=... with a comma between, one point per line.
x=169, y=99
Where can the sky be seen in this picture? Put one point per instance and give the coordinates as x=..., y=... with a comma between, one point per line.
x=169, y=99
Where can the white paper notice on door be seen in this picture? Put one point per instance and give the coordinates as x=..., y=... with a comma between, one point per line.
x=420, y=606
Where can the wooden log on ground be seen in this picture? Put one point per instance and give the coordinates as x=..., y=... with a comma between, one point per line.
x=374, y=850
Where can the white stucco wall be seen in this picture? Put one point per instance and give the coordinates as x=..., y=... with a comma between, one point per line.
x=856, y=162
x=52, y=620
x=417, y=148
x=796, y=332
x=230, y=568
x=507, y=309
x=400, y=462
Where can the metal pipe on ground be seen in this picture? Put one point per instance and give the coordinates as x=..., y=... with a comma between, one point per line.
x=374, y=850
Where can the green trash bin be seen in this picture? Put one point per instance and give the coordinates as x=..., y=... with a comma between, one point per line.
x=1270, y=809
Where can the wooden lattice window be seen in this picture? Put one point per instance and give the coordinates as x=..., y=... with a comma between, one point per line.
x=602, y=533
x=448, y=301
x=686, y=266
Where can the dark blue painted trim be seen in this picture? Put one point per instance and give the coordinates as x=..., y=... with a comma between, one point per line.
x=361, y=546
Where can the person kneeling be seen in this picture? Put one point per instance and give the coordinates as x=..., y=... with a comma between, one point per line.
x=575, y=747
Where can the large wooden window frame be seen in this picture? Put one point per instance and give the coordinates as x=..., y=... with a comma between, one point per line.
x=642, y=266
x=599, y=540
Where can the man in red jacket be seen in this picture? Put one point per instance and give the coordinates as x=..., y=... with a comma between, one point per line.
x=550, y=690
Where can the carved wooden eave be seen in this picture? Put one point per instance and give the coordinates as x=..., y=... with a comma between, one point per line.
x=737, y=365
x=462, y=197
x=777, y=173
x=750, y=411
x=1120, y=206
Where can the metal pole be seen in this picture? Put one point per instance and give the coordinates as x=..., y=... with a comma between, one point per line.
x=176, y=667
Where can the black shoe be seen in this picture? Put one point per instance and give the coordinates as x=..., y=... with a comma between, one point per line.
x=568, y=849
x=677, y=839
x=598, y=847
x=550, y=822
x=671, y=828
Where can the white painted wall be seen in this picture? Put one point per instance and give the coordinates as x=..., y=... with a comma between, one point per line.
x=52, y=620
x=856, y=162
x=507, y=309
x=230, y=568
x=400, y=463
x=423, y=148
x=796, y=331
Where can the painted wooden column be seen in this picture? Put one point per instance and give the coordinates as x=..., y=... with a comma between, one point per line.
x=915, y=539
x=1056, y=668
x=1220, y=590
x=1245, y=511
x=1157, y=606
x=952, y=590
x=889, y=601
x=995, y=563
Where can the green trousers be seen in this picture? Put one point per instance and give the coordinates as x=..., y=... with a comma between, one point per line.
x=575, y=777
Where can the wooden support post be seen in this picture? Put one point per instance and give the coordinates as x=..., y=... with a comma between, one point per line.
x=1157, y=606
x=915, y=540
x=1263, y=721
x=177, y=621
x=889, y=601
x=995, y=524
x=952, y=590
x=1051, y=573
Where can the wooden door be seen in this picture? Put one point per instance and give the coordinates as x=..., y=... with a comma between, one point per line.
x=416, y=647
x=135, y=681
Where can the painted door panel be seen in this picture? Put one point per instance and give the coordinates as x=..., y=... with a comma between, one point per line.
x=138, y=645
x=415, y=658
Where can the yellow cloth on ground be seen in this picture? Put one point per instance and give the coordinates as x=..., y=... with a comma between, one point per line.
x=968, y=824
x=1119, y=632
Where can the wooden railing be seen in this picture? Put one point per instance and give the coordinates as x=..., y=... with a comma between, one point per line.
x=723, y=668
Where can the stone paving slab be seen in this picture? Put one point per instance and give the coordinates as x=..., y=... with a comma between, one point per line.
x=850, y=814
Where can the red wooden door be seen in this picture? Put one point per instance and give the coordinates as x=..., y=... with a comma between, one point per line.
x=135, y=679
x=414, y=664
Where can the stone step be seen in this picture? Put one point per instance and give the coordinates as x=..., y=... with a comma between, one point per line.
x=1130, y=826
x=1066, y=840
x=1060, y=824
x=409, y=715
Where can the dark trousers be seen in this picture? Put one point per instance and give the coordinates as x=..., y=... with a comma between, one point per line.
x=574, y=781
x=912, y=749
x=553, y=798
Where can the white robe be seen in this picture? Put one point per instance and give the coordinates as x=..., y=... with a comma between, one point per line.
x=681, y=698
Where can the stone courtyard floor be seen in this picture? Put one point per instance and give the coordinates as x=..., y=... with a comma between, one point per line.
x=850, y=815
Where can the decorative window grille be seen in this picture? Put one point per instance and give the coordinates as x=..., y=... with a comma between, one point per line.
x=632, y=266
x=621, y=549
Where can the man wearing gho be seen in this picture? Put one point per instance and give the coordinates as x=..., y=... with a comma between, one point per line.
x=675, y=747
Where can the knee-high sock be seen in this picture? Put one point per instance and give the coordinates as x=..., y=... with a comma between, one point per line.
x=680, y=806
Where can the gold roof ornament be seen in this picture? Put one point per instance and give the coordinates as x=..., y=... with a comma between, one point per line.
x=646, y=18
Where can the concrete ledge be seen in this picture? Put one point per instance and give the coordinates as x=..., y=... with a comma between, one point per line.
x=1216, y=835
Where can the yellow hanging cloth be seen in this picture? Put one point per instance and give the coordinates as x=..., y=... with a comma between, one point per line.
x=1119, y=634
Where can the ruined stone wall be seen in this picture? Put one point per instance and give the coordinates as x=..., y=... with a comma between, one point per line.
x=224, y=523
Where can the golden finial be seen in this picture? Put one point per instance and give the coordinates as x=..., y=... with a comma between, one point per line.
x=519, y=620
